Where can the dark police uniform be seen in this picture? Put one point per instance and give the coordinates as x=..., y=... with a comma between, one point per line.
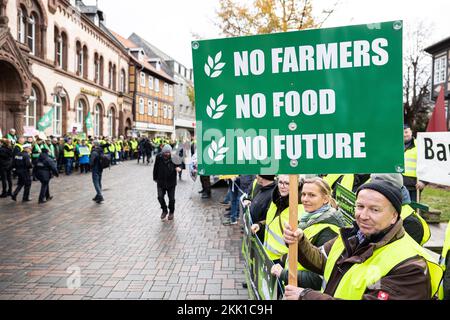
x=45, y=166
x=22, y=164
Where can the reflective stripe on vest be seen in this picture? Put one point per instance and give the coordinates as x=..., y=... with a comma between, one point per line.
x=445, y=250
x=407, y=210
x=355, y=281
x=69, y=154
x=253, y=188
x=411, y=162
x=273, y=239
x=20, y=147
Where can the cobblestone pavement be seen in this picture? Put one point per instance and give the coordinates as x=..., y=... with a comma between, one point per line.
x=73, y=248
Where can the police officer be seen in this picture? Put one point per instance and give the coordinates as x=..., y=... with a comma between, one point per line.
x=22, y=164
x=45, y=167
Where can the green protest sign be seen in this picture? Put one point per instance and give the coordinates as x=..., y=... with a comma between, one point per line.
x=315, y=101
x=346, y=200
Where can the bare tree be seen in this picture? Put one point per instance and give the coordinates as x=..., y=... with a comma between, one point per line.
x=416, y=77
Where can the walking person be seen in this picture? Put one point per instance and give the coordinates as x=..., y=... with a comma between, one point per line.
x=45, y=168
x=22, y=164
x=69, y=156
x=165, y=176
x=6, y=159
x=97, y=171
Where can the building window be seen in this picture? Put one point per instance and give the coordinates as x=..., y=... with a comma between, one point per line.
x=111, y=122
x=157, y=85
x=440, y=66
x=170, y=113
x=141, y=106
x=150, y=107
x=80, y=112
x=57, y=116
x=171, y=91
x=97, y=120
x=155, y=109
x=166, y=89
x=80, y=59
x=30, y=112
x=110, y=75
x=59, y=51
x=165, y=112
x=32, y=34
x=142, y=79
x=96, y=68
x=21, y=25
x=150, y=82
x=101, y=70
x=85, y=62
x=123, y=80
x=114, y=79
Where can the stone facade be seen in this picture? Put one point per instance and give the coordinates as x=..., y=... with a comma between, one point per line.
x=60, y=56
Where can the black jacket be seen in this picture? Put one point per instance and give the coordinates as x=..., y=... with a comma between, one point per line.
x=94, y=159
x=6, y=157
x=45, y=166
x=164, y=172
x=259, y=206
x=22, y=162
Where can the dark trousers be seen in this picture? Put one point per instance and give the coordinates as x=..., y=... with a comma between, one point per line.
x=171, y=194
x=45, y=190
x=24, y=181
x=97, y=179
x=6, y=180
x=206, y=184
x=84, y=168
x=69, y=165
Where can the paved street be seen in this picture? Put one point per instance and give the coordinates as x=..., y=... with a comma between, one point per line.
x=73, y=248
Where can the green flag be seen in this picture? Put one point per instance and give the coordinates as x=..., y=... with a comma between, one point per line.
x=89, y=121
x=46, y=121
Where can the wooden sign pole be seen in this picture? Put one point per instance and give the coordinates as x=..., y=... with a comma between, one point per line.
x=293, y=222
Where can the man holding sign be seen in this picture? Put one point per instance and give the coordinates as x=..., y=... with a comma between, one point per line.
x=374, y=260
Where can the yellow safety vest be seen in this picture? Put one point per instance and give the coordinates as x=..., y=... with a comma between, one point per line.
x=411, y=162
x=346, y=182
x=68, y=154
x=310, y=233
x=112, y=147
x=134, y=145
x=20, y=147
x=355, y=281
x=118, y=146
x=445, y=251
x=89, y=146
x=253, y=188
x=407, y=211
x=273, y=238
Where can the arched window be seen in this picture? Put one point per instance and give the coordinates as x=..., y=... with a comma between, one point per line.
x=101, y=70
x=122, y=81
x=110, y=76
x=96, y=68
x=170, y=113
x=30, y=112
x=81, y=105
x=21, y=25
x=114, y=84
x=150, y=107
x=155, y=110
x=141, y=105
x=165, y=112
x=80, y=59
x=97, y=116
x=31, y=34
x=85, y=62
x=111, y=122
x=57, y=116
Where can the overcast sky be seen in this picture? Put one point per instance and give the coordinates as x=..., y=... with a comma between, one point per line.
x=169, y=24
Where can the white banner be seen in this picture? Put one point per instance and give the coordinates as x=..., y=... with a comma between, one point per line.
x=433, y=157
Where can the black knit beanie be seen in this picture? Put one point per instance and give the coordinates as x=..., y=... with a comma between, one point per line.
x=267, y=177
x=387, y=189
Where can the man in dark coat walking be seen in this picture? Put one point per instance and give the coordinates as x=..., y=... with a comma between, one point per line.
x=6, y=159
x=45, y=167
x=165, y=176
x=97, y=171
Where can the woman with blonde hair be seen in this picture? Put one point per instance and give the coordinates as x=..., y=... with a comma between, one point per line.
x=320, y=222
